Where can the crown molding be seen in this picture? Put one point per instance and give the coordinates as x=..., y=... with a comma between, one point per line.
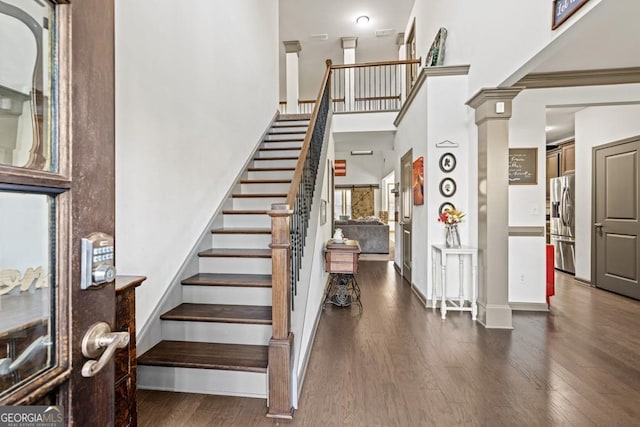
x=605, y=76
x=439, y=71
x=292, y=46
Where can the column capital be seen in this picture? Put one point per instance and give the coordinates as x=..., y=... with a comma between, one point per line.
x=349, y=42
x=292, y=46
x=493, y=103
x=400, y=39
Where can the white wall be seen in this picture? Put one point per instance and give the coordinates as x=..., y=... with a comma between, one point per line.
x=196, y=86
x=521, y=28
x=441, y=101
x=596, y=126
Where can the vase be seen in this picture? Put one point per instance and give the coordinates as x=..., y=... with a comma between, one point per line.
x=451, y=236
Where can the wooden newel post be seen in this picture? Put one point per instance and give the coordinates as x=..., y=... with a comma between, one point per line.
x=281, y=343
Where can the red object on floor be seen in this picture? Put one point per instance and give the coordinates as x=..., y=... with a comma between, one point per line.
x=551, y=279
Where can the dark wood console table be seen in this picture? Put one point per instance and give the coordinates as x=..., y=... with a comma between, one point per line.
x=341, y=261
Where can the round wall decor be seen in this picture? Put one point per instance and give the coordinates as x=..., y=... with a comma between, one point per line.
x=447, y=162
x=447, y=187
x=446, y=206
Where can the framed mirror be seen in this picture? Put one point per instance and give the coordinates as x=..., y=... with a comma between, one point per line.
x=27, y=85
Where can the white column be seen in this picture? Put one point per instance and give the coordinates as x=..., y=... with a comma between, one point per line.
x=349, y=45
x=492, y=114
x=401, y=79
x=292, y=49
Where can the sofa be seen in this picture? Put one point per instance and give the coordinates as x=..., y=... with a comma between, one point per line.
x=373, y=235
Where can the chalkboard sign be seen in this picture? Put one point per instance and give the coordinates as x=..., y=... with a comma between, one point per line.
x=523, y=166
x=563, y=9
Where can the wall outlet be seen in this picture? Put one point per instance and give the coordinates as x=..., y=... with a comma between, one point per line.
x=523, y=279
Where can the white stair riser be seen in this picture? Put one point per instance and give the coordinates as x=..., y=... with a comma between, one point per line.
x=225, y=333
x=256, y=221
x=235, y=295
x=239, y=241
x=292, y=127
x=235, y=265
x=286, y=136
x=205, y=381
x=278, y=153
x=256, y=203
x=294, y=145
x=270, y=174
x=270, y=163
x=292, y=122
x=265, y=188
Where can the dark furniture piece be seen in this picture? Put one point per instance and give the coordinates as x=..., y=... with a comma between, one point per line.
x=341, y=261
x=373, y=236
x=125, y=360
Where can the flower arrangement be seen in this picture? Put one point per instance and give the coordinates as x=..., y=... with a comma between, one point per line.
x=451, y=217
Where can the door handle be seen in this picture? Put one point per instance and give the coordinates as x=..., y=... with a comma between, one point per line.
x=598, y=225
x=94, y=342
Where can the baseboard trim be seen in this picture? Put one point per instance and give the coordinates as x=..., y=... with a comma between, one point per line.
x=305, y=361
x=529, y=306
x=583, y=281
x=419, y=294
x=397, y=268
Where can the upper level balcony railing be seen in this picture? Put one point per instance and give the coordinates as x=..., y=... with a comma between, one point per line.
x=365, y=87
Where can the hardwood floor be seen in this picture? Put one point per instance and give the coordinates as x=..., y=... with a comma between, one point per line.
x=398, y=364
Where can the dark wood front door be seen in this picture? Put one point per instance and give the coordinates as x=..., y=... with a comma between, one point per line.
x=616, y=228
x=57, y=185
x=406, y=208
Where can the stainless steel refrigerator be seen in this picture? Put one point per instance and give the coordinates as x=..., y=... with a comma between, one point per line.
x=563, y=230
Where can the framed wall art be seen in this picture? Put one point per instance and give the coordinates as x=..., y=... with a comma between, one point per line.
x=446, y=206
x=418, y=181
x=523, y=166
x=447, y=162
x=448, y=187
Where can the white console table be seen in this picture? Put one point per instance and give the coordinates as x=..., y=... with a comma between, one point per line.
x=439, y=256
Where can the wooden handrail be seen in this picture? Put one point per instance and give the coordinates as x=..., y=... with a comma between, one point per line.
x=379, y=63
x=297, y=175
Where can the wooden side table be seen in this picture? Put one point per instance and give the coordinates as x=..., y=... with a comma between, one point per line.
x=341, y=261
x=441, y=253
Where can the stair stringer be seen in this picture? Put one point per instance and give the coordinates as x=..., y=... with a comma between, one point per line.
x=150, y=333
x=305, y=316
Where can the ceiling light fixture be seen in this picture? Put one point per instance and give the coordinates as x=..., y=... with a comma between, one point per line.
x=361, y=152
x=362, y=20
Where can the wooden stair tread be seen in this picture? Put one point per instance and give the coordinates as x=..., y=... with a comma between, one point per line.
x=256, y=195
x=280, y=149
x=265, y=181
x=270, y=169
x=244, y=212
x=235, y=253
x=277, y=158
x=221, y=279
x=204, y=355
x=241, y=230
x=284, y=140
x=276, y=125
x=222, y=313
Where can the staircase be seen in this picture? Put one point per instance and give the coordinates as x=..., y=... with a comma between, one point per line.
x=216, y=340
